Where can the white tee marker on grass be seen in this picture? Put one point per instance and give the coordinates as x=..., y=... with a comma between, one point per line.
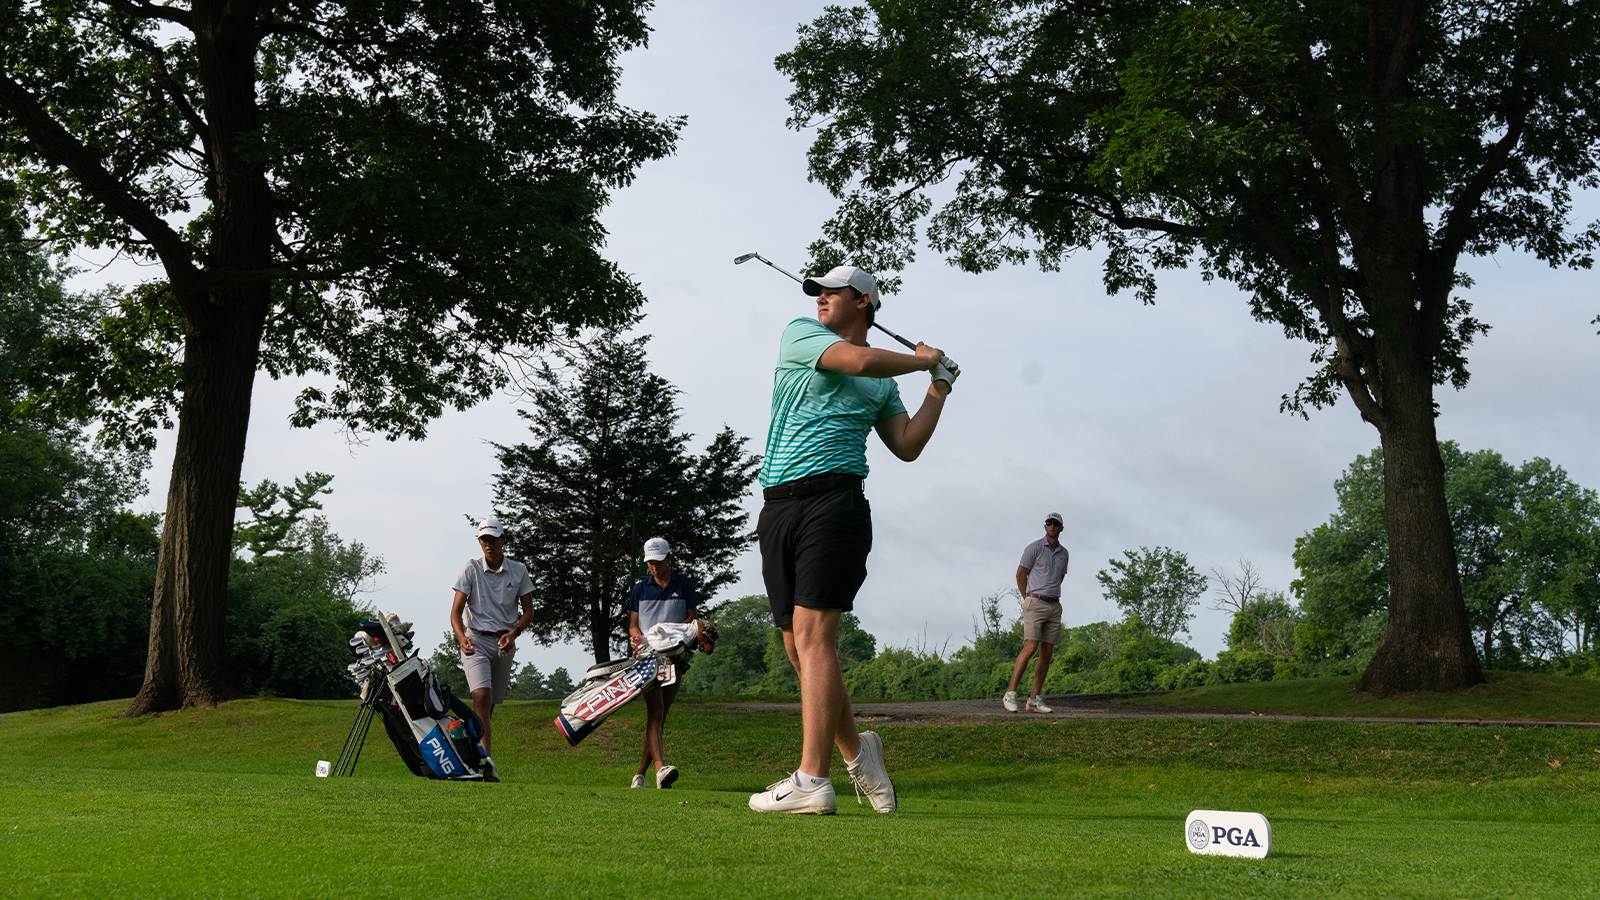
x=1214, y=832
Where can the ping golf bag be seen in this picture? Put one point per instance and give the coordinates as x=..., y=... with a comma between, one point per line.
x=609, y=686
x=435, y=733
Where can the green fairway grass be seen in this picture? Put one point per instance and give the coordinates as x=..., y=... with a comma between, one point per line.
x=223, y=803
x=1506, y=696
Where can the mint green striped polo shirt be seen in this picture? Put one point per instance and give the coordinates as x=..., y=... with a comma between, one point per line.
x=820, y=419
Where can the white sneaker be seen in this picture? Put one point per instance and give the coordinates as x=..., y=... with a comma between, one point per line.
x=665, y=776
x=785, y=796
x=1010, y=700
x=491, y=772
x=870, y=776
x=1036, y=704
x=638, y=782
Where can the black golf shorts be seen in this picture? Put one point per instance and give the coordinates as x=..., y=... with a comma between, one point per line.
x=815, y=537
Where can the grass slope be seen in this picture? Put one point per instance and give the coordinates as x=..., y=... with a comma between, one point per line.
x=223, y=803
x=1506, y=696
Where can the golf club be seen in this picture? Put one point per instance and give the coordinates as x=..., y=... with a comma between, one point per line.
x=945, y=361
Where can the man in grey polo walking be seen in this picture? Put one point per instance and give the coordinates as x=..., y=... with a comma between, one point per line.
x=484, y=616
x=1039, y=575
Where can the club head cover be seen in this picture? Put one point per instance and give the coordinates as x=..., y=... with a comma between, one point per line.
x=707, y=637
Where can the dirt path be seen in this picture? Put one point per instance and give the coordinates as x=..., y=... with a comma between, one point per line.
x=1104, y=706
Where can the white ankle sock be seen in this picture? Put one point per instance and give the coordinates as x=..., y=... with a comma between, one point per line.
x=809, y=782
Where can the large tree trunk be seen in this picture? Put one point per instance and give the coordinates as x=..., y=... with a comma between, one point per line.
x=225, y=312
x=1427, y=645
x=187, y=664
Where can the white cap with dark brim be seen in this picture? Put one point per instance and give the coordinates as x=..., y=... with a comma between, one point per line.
x=1054, y=517
x=846, y=276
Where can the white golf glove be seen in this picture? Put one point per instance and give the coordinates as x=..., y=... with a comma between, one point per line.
x=945, y=370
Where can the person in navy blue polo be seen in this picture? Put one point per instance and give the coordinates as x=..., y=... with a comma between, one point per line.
x=666, y=596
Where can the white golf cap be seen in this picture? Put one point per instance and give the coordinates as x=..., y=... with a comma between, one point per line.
x=656, y=549
x=846, y=276
x=1054, y=517
x=490, y=527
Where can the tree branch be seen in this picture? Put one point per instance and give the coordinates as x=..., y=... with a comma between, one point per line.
x=1458, y=221
x=56, y=144
x=151, y=12
x=171, y=86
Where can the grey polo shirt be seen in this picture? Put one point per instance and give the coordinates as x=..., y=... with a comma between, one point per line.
x=493, y=594
x=1045, y=567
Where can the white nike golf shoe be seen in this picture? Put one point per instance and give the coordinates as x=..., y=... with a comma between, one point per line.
x=665, y=776
x=870, y=776
x=786, y=797
x=638, y=782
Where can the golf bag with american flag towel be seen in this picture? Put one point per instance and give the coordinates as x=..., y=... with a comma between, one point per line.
x=609, y=686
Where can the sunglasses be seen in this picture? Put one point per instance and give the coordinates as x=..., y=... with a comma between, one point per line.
x=1049, y=522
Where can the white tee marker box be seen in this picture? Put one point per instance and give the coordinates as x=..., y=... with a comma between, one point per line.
x=323, y=768
x=1215, y=832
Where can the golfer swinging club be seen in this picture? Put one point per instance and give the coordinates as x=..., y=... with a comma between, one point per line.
x=829, y=390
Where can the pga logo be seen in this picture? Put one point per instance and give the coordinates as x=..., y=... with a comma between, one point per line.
x=1214, y=832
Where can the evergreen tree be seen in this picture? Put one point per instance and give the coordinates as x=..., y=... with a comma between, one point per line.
x=607, y=469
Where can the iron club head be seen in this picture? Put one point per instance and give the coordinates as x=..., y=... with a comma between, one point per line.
x=737, y=260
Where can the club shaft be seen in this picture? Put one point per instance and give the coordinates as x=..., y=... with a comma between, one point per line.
x=780, y=268
x=895, y=336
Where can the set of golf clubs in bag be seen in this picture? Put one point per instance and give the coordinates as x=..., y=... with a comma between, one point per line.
x=437, y=734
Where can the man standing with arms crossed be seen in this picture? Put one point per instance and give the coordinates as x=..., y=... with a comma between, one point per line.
x=829, y=391
x=1044, y=564
x=484, y=617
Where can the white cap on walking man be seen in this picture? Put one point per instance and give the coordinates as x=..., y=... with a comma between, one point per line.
x=656, y=549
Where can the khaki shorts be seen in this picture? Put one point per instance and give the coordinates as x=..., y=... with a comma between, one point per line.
x=1041, y=621
x=487, y=667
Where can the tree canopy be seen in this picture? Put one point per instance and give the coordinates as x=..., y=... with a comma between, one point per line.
x=606, y=470
x=1335, y=159
x=294, y=594
x=1528, y=541
x=408, y=178
x=1159, y=586
x=76, y=567
x=397, y=200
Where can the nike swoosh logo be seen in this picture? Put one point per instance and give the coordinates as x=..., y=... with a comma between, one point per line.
x=780, y=796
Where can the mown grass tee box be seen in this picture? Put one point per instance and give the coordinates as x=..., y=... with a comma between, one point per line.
x=225, y=802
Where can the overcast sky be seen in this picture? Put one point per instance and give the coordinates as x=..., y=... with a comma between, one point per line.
x=1143, y=426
